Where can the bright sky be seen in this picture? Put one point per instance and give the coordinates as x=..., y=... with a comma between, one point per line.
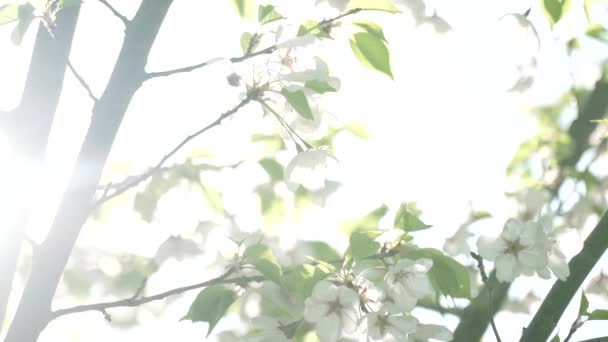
x=441, y=134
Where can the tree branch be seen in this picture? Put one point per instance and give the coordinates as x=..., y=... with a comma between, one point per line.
x=132, y=301
x=248, y=54
x=117, y=14
x=561, y=293
x=250, y=97
x=82, y=82
x=50, y=260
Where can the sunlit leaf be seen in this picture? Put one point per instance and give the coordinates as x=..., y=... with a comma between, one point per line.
x=273, y=168
x=407, y=219
x=303, y=278
x=379, y=5
x=367, y=222
x=319, y=250
x=362, y=245
x=447, y=275
x=244, y=8
x=264, y=261
x=598, y=32
x=210, y=305
x=320, y=87
x=297, y=99
x=371, y=28
x=9, y=13
x=268, y=14
x=312, y=27
x=26, y=16
x=554, y=10
x=372, y=52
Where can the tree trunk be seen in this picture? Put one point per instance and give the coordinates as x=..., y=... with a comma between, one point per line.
x=51, y=257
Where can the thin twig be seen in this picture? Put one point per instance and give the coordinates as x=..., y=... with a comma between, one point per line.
x=250, y=97
x=248, y=54
x=82, y=82
x=132, y=302
x=117, y=14
x=484, y=278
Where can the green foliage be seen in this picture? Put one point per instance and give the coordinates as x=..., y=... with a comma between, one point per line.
x=598, y=315
x=303, y=278
x=319, y=87
x=554, y=10
x=555, y=338
x=26, y=16
x=371, y=28
x=210, y=305
x=447, y=276
x=584, y=305
x=320, y=250
x=313, y=27
x=244, y=8
x=372, y=52
x=264, y=261
x=362, y=245
x=297, y=99
x=268, y=14
x=214, y=198
x=598, y=32
x=367, y=222
x=272, y=168
x=249, y=42
x=378, y=5
x=9, y=13
x=407, y=218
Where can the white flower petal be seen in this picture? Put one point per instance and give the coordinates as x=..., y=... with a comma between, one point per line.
x=428, y=331
x=329, y=329
x=559, y=267
x=401, y=325
x=512, y=230
x=315, y=311
x=506, y=268
x=489, y=248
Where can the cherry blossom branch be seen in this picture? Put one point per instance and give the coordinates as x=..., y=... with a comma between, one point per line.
x=106, y=197
x=562, y=292
x=117, y=14
x=82, y=82
x=484, y=278
x=248, y=54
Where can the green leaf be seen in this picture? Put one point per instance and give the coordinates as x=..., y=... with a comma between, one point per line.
x=555, y=338
x=378, y=5
x=362, y=245
x=303, y=278
x=268, y=14
x=587, y=6
x=598, y=315
x=371, y=28
x=244, y=8
x=9, y=13
x=367, y=222
x=319, y=250
x=272, y=168
x=480, y=215
x=214, y=199
x=554, y=10
x=297, y=99
x=357, y=130
x=26, y=16
x=372, y=52
x=584, y=305
x=312, y=27
x=210, y=306
x=407, y=219
x=249, y=42
x=320, y=87
x=447, y=275
x=598, y=32
x=263, y=260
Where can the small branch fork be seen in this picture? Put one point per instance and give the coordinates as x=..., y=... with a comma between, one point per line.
x=484, y=278
x=248, y=54
x=117, y=14
x=107, y=195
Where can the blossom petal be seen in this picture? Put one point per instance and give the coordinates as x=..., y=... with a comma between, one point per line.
x=401, y=325
x=329, y=328
x=315, y=311
x=489, y=248
x=506, y=268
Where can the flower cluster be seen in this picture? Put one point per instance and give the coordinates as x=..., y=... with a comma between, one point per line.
x=337, y=309
x=525, y=248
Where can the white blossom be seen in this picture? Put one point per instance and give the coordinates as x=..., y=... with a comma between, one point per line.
x=332, y=309
x=384, y=326
x=426, y=332
x=309, y=169
x=271, y=330
x=556, y=260
x=407, y=281
x=517, y=250
x=531, y=201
